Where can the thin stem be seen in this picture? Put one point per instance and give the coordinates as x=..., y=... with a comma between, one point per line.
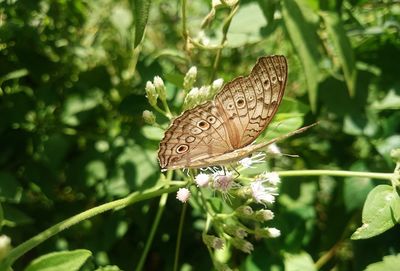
x=341, y=173
x=179, y=237
x=160, y=211
x=167, y=111
x=225, y=29
x=185, y=32
x=23, y=248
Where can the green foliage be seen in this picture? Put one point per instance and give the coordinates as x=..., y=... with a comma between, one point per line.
x=73, y=80
x=62, y=261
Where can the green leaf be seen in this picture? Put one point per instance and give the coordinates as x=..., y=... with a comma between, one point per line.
x=141, y=10
x=299, y=262
x=246, y=26
x=59, y=261
x=342, y=47
x=304, y=40
x=389, y=263
x=381, y=212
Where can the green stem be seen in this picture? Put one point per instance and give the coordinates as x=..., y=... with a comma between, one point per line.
x=167, y=111
x=21, y=249
x=179, y=237
x=185, y=32
x=160, y=211
x=225, y=29
x=340, y=173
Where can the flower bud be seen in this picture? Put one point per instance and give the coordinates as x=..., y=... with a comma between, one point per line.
x=5, y=246
x=149, y=117
x=267, y=232
x=213, y=241
x=243, y=245
x=160, y=88
x=244, y=211
x=263, y=215
x=151, y=93
x=190, y=78
x=235, y=231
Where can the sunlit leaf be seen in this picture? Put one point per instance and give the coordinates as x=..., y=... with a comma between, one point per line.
x=342, y=47
x=381, y=212
x=299, y=262
x=305, y=41
x=245, y=26
x=60, y=261
x=141, y=9
x=391, y=262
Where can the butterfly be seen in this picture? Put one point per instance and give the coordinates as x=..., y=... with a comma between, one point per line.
x=220, y=131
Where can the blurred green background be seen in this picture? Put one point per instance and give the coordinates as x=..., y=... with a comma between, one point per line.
x=72, y=136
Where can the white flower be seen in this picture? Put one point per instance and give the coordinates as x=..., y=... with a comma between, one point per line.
x=274, y=149
x=247, y=162
x=274, y=232
x=183, y=194
x=262, y=194
x=223, y=181
x=202, y=180
x=272, y=177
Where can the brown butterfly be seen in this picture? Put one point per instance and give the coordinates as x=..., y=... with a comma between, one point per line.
x=219, y=131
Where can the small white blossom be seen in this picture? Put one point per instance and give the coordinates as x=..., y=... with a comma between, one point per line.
x=247, y=162
x=223, y=181
x=192, y=72
x=183, y=194
x=202, y=180
x=274, y=149
x=262, y=194
x=274, y=232
x=272, y=177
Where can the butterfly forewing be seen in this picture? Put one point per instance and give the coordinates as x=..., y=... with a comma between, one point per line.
x=237, y=115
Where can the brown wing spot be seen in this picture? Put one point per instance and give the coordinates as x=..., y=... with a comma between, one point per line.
x=203, y=125
x=230, y=106
x=251, y=97
x=211, y=119
x=240, y=103
x=266, y=82
x=273, y=79
x=182, y=148
x=190, y=139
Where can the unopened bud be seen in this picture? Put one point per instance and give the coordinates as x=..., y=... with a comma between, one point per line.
x=244, y=211
x=190, y=78
x=151, y=93
x=160, y=88
x=5, y=246
x=235, y=231
x=149, y=117
x=264, y=215
x=243, y=245
x=213, y=241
